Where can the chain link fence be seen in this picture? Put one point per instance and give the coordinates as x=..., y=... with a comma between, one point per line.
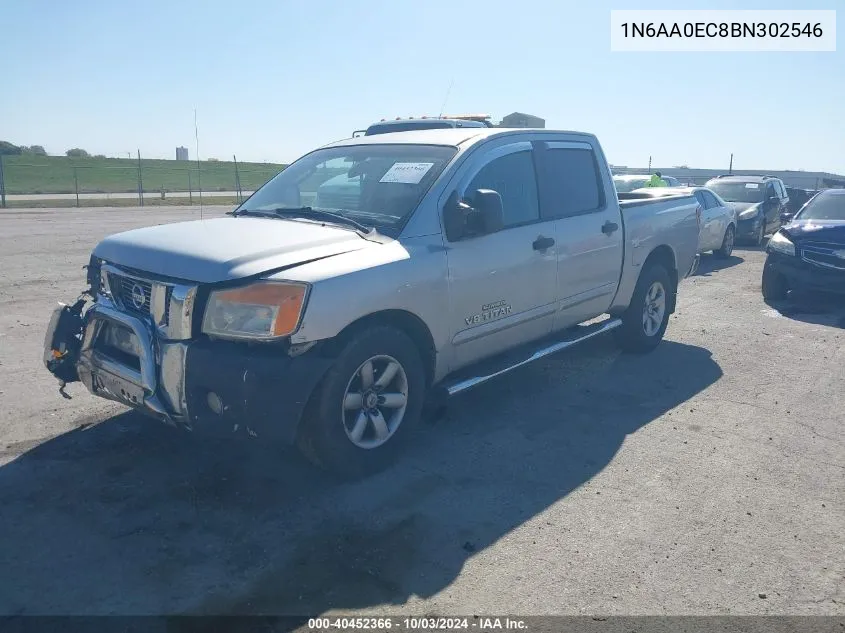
x=82, y=181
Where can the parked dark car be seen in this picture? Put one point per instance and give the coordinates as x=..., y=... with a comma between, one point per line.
x=809, y=253
x=797, y=199
x=758, y=200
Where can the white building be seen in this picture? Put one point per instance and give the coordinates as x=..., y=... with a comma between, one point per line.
x=181, y=153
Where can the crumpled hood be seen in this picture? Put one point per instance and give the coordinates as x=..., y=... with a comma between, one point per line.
x=830, y=231
x=221, y=249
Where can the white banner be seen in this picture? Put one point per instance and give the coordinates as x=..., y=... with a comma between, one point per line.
x=723, y=31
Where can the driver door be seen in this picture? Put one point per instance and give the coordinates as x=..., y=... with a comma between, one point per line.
x=502, y=285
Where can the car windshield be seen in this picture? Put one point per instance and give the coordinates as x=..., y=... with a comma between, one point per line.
x=377, y=185
x=626, y=185
x=825, y=206
x=738, y=191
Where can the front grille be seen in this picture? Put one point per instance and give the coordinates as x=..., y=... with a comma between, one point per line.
x=824, y=255
x=132, y=294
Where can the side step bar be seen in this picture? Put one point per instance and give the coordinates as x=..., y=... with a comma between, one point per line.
x=582, y=334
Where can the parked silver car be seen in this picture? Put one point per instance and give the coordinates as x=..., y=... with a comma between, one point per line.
x=718, y=218
x=425, y=263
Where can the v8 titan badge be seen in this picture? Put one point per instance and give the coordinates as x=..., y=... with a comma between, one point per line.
x=489, y=312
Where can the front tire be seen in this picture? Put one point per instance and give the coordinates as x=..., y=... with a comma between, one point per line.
x=773, y=285
x=727, y=244
x=366, y=406
x=644, y=322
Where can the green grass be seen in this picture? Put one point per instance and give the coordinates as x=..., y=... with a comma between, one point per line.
x=29, y=174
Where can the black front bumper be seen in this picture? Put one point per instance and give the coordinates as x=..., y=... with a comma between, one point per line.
x=263, y=390
x=804, y=276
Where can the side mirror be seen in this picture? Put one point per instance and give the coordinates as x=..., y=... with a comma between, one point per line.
x=485, y=215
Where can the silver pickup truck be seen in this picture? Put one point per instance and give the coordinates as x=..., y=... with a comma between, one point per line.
x=328, y=316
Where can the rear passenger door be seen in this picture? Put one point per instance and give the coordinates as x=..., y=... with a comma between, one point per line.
x=589, y=229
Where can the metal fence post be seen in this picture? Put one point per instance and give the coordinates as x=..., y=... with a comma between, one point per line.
x=2, y=184
x=190, y=189
x=76, y=185
x=237, y=179
x=140, y=182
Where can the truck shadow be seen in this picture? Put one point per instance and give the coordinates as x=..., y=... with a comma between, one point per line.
x=127, y=517
x=710, y=264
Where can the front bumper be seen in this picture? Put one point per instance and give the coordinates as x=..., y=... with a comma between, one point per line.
x=801, y=275
x=261, y=390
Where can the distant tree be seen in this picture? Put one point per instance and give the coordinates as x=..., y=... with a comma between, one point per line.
x=76, y=152
x=99, y=155
x=38, y=150
x=7, y=149
x=213, y=160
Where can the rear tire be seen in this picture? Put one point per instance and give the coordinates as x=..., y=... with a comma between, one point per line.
x=773, y=285
x=727, y=244
x=644, y=322
x=355, y=425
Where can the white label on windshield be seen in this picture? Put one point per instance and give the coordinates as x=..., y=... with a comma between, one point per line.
x=408, y=173
x=752, y=185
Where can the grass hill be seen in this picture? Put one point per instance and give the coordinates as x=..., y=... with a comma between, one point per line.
x=32, y=174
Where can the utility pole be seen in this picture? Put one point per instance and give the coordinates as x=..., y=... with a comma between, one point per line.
x=731, y=166
x=649, y=164
x=140, y=182
x=237, y=179
x=2, y=184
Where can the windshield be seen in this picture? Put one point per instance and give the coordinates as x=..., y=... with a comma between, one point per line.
x=376, y=185
x=626, y=185
x=737, y=191
x=825, y=206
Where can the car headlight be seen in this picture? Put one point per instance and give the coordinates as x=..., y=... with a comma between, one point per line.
x=264, y=310
x=749, y=213
x=781, y=244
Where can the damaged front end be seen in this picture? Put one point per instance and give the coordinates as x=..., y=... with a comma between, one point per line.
x=125, y=339
x=63, y=341
x=132, y=338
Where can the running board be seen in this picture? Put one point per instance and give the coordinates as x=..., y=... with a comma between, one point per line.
x=578, y=334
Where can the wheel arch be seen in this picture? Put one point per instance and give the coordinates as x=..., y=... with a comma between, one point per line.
x=664, y=256
x=407, y=322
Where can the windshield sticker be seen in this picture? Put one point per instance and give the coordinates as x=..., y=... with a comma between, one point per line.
x=407, y=173
x=752, y=185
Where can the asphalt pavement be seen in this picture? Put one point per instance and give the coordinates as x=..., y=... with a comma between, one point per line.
x=704, y=478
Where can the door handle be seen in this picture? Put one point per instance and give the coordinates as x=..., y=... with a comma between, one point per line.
x=609, y=227
x=542, y=243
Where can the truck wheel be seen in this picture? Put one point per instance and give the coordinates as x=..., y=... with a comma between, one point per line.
x=645, y=320
x=773, y=285
x=367, y=404
x=727, y=244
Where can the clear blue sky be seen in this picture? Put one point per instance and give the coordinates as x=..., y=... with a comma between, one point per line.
x=271, y=79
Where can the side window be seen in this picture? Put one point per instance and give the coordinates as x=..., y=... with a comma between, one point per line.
x=699, y=195
x=783, y=193
x=573, y=182
x=712, y=203
x=770, y=190
x=514, y=178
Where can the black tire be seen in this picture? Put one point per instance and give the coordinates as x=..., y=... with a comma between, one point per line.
x=773, y=285
x=323, y=438
x=724, y=251
x=631, y=335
